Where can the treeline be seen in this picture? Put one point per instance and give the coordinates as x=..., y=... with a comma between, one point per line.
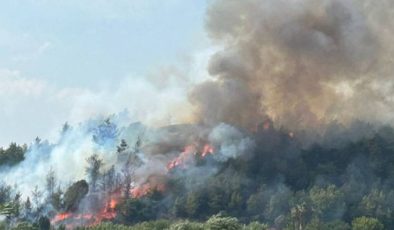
x=284, y=186
x=280, y=184
x=215, y=222
x=218, y=222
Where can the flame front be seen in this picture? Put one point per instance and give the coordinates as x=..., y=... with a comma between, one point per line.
x=108, y=211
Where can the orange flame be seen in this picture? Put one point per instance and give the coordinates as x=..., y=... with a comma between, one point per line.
x=61, y=217
x=113, y=203
x=140, y=191
x=154, y=182
x=89, y=219
x=186, y=155
x=208, y=149
x=108, y=212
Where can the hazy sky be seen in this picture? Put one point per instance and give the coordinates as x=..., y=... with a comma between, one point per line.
x=59, y=57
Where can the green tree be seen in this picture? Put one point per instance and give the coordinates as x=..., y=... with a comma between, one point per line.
x=27, y=209
x=255, y=204
x=50, y=182
x=56, y=199
x=378, y=204
x=236, y=201
x=44, y=223
x=93, y=170
x=136, y=210
x=74, y=194
x=186, y=225
x=216, y=201
x=366, y=223
x=5, y=193
x=12, y=155
x=193, y=204
x=16, y=203
x=278, y=203
x=298, y=215
x=123, y=146
x=337, y=225
x=25, y=226
x=179, y=207
x=131, y=161
x=3, y=225
x=37, y=200
x=327, y=203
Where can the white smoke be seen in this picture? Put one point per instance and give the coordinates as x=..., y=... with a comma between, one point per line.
x=230, y=141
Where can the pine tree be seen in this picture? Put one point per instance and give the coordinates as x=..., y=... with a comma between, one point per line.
x=50, y=182
x=93, y=170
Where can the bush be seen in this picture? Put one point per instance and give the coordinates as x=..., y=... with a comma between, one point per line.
x=152, y=225
x=256, y=226
x=337, y=225
x=316, y=224
x=187, y=226
x=217, y=222
x=106, y=226
x=3, y=226
x=25, y=226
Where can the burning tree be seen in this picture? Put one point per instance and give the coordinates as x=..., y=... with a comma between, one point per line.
x=131, y=162
x=93, y=170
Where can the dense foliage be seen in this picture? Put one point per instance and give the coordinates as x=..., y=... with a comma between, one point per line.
x=12, y=155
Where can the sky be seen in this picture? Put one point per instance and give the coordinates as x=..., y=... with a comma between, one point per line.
x=68, y=60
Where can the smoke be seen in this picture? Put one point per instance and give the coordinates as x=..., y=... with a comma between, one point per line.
x=71, y=150
x=230, y=141
x=303, y=63
x=68, y=155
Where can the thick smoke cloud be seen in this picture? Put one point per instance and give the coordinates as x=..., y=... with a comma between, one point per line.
x=303, y=63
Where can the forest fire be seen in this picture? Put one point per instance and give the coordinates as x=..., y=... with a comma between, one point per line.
x=91, y=218
x=153, y=183
x=145, y=189
x=61, y=217
x=107, y=213
x=70, y=220
x=180, y=161
x=113, y=203
x=187, y=155
x=140, y=191
x=208, y=149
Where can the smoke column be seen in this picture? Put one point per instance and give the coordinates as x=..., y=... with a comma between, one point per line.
x=303, y=63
